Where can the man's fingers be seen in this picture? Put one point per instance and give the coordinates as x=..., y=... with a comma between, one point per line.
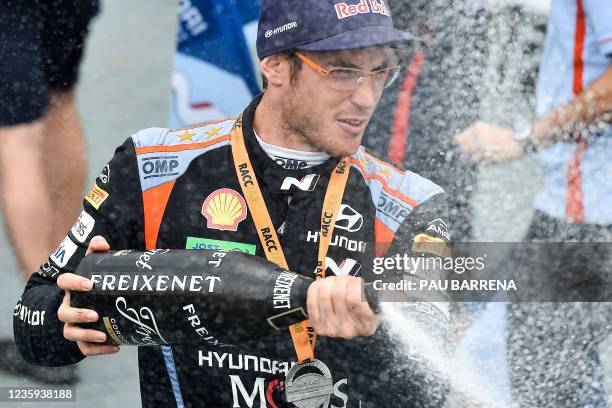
x=312, y=303
x=92, y=349
x=326, y=322
x=347, y=326
x=70, y=281
x=336, y=309
x=69, y=314
x=75, y=333
x=97, y=244
x=365, y=319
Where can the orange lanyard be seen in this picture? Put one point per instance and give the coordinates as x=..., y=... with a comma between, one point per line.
x=302, y=334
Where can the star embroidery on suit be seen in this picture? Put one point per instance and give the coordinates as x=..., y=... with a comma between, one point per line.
x=387, y=173
x=213, y=132
x=186, y=136
x=364, y=162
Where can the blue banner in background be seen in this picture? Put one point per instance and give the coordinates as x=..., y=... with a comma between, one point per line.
x=215, y=72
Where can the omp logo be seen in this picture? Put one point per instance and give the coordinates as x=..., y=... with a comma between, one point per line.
x=306, y=183
x=290, y=164
x=344, y=10
x=159, y=166
x=392, y=207
x=349, y=219
x=281, y=29
x=349, y=267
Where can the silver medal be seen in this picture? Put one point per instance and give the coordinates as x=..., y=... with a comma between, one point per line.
x=310, y=389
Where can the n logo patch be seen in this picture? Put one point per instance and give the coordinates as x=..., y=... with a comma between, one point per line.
x=350, y=267
x=306, y=183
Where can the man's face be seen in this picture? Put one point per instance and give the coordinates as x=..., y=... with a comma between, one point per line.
x=331, y=120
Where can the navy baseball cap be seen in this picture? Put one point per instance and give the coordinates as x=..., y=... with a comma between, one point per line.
x=325, y=25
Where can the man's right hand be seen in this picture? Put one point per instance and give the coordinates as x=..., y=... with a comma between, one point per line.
x=88, y=340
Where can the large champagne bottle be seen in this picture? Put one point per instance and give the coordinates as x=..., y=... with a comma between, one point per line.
x=165, y=296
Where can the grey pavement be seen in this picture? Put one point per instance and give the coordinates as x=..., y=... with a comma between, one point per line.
x=124, y=87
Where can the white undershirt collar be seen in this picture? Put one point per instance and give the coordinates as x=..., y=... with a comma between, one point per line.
x=292, y=159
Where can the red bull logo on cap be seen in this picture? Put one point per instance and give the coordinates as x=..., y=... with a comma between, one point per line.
x=344, y=10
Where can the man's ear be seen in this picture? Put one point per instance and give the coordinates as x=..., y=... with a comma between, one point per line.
x=276, y=69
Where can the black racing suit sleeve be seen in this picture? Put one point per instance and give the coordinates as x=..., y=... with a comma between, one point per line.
x=112, y=209
x=416, y=377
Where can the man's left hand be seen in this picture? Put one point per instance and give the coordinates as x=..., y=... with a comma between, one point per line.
x=336, y=308
x=486, y=143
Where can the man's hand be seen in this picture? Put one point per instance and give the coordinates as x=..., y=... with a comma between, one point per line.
x=486, y=143
x=86, y=338
x=336, y=309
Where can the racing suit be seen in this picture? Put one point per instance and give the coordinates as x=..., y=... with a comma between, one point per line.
x=157, y=192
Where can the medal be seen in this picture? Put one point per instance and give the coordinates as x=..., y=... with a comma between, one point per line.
x=312, y=387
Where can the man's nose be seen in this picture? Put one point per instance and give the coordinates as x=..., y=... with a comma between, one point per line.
x=367, y=94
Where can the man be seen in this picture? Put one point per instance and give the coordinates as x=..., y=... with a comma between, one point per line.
x=325, y=65
x=573, y=137
x=42, y=149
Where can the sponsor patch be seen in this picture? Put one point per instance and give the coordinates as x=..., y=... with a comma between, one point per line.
x=393, y=208
x=64, y=252
x=105, y=174
x=204, y=243
x=96, y=196
x=290, y=164
x=348, y=219
x=224, y=209
x=439, y=227
x=431, y=245
x=349, y=267
x=306, y=183
x=155, y=167
x=289, y=26
x=83, y=227
x=344, y=10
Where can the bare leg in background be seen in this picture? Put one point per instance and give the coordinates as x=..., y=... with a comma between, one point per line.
x=25, y=197
x=42, y=175
x=64, y=145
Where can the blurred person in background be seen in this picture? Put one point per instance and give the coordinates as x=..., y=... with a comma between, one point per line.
x=437, y=94
x=42, y=149
x=573, y=140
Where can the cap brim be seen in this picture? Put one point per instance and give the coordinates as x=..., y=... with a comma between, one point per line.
x=367, y=36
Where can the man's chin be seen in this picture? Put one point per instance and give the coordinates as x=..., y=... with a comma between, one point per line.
x=343, y=151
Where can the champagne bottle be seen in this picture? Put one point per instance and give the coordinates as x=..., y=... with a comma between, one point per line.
x=162, y=296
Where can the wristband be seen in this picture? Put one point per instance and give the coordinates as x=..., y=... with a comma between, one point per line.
x=523, y=137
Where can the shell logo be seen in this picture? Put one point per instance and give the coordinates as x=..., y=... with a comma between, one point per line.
x=224, y=209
